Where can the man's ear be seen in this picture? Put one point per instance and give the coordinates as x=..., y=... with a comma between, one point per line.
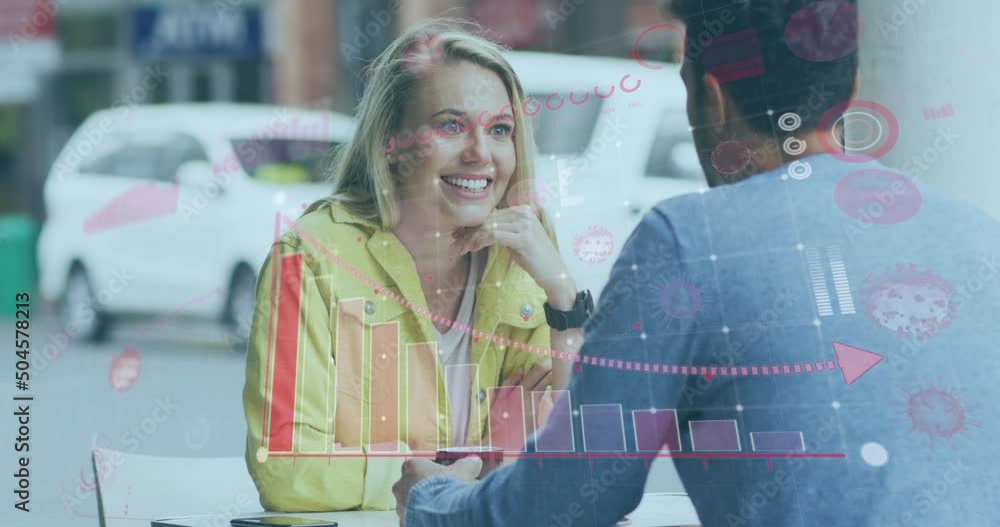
x=856, y=87
x=715, y=110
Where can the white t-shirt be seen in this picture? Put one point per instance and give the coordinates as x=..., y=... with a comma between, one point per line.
x=454, y=348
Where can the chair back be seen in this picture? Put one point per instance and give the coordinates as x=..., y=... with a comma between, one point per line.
x=134, y=487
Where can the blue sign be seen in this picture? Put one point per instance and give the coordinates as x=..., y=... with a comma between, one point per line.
x=190, y=33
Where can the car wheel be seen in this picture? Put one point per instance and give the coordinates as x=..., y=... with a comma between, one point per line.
x=82, y=316
x=240, y=303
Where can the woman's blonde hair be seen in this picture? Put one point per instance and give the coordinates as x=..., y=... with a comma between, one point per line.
x=363, y=181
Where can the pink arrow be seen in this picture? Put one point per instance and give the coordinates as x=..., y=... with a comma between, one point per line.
x=854, y=362
x=142, y=202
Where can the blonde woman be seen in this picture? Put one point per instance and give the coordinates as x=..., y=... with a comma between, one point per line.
x=357, y=353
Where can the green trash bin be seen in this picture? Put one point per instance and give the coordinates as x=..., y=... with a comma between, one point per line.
x=17, y=261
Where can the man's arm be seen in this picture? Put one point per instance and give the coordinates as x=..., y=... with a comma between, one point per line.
x=598, y=483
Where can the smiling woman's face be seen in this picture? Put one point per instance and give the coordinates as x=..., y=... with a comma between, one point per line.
x=459, y=150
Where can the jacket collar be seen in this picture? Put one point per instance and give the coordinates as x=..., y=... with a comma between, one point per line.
x=506, y=292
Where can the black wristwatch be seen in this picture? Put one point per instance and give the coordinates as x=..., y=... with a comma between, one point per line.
x=563, y=320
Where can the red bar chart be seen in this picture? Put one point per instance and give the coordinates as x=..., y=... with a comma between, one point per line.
x=384, y=394
x=506, y=419
x=422, y=416
x=349, y=391
x=462, y=377
x=286, y=356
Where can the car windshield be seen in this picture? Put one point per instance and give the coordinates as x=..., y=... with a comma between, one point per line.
x=284, y=161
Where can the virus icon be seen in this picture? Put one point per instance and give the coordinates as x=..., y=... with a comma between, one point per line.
x=594, y=245
x=679, y=298
x=909, y=302
x=937, y=413
x=125, y=369
x=730, y=157
x=674, y=298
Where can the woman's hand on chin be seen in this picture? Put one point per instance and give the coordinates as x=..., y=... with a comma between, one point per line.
x=520, y=229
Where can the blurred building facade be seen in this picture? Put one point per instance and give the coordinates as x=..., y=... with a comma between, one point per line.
x=94, y=54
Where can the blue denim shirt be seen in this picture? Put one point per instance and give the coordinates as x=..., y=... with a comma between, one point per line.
x=772, y=272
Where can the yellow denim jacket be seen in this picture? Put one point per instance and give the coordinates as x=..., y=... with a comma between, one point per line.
x=333, y=268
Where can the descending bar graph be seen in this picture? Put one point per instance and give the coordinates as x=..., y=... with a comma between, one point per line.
x=603, y=427
x=656, y=429
x=507, y=418
x=423, y=423
x=386, y=390
x=455, y=377
x=350, y=373
x=384, y=393
x=557, y=435
x=286, y=356
x=777, y=442
x=716, y=435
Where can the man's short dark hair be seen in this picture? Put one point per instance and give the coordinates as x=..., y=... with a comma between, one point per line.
x=781, y=76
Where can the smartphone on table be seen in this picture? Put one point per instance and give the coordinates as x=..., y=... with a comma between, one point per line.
x=280, y=521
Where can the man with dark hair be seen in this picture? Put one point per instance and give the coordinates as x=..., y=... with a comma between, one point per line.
x=810, y=341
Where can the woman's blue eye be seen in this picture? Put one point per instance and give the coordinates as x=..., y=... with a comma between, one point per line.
x=505, y=129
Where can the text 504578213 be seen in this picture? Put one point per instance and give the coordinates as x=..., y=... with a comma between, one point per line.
x=22, y=349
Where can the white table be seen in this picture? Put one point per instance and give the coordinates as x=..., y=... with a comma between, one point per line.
x=655, y=510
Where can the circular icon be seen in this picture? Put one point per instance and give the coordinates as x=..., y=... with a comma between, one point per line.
x=870, y=131
x=730, y=157
x=794, y=146
x=824, y=31
x=799, y=170
x=909, y=302
x=874, y=454
x=594, y=245
x=680, y=299
x=790, y=121
x=878, y=196
x=125, y=369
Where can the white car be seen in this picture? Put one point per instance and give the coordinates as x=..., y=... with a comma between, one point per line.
x=169, y=209
x=621, y=144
